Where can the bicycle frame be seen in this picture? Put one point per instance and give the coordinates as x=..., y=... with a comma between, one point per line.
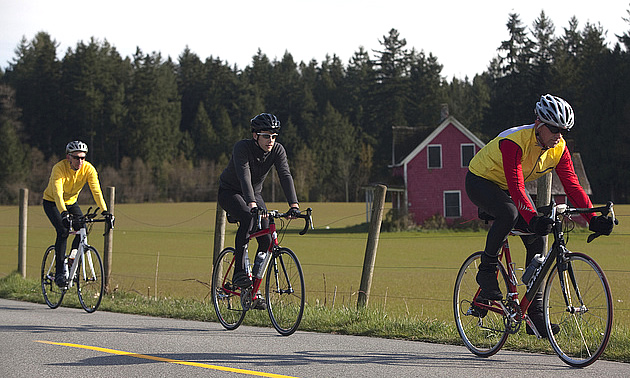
x=83, y=245
x=270, y=230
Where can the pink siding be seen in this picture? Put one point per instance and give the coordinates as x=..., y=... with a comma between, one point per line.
x=425, y=187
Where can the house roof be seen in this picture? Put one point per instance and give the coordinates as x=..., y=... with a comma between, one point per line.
x=556, y=185
x=420, y=137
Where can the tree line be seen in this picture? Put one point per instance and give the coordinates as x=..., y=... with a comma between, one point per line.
x=161, y=130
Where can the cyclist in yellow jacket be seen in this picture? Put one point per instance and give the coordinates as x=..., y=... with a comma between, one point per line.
x=60, y=199
x=496, y=184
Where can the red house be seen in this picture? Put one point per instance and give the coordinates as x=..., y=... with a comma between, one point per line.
x=433, y=172
x=429, y=166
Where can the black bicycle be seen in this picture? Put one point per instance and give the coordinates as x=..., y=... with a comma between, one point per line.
x=576, y=296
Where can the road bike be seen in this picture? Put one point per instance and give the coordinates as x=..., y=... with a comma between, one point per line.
x=284, y=285
x=576, y=297
x=84, y=265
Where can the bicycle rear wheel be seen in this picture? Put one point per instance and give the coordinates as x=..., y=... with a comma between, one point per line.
x=482, y=331
x=226, y=297
x=53, y=294
x=285, y=291
x=89, y=279
x=585, y=318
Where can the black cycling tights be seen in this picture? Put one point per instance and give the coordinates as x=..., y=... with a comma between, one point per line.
x=234, y=204
x=50, y=208
x=497, y=202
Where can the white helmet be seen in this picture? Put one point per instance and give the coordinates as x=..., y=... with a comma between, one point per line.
x=555, y=111
x=76, y=145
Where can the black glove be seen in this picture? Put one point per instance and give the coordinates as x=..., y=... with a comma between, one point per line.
x=254, y=210
x=541, y=225
x=601, y=225
x=293, y=212
x=65, y=219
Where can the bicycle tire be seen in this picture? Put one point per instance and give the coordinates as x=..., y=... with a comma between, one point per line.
x=226, y=297
x=284, y=291
x=53, y=294
x=584, y=333
x=483, y=334
x=89, y=280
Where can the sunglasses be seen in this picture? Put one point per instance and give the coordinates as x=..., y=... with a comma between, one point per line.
x=267, y=136
x=556, y=129
x=75, y=157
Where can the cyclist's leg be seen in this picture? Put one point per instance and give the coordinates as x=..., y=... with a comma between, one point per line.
x=75, y=210
x=263, y=241
x=53, y=214
x=491, y=198
x=234, y=203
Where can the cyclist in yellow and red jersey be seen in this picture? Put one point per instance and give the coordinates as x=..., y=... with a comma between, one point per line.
x=496, y=184
x=60, y=199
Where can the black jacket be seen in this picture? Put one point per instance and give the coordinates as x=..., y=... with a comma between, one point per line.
x=249, y=166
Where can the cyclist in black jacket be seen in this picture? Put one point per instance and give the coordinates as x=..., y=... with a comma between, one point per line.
x=241, y=183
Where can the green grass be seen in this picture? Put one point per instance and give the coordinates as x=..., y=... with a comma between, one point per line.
x=411, y=290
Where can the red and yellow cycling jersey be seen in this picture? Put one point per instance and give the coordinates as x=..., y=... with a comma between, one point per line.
x=535, y=162
x=65, y=184
x=515, y=157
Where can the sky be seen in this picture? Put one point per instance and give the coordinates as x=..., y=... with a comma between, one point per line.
x=464, y=35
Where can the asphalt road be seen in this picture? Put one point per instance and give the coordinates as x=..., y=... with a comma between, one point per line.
x=36, y=341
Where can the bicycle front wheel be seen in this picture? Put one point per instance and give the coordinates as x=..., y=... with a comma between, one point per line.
x=226, y=297
x=89, y=279
x=578, y=299
x=483, y=331
x=285, y=291
x=53, y=294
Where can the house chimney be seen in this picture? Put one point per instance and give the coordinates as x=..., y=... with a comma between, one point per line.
x=444, y=112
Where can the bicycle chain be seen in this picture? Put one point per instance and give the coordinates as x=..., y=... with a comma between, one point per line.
x=513, y=320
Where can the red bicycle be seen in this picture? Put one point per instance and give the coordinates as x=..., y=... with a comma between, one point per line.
x=284, y=286
x=576, y=296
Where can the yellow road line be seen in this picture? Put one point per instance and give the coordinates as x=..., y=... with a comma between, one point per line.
x=161, y=359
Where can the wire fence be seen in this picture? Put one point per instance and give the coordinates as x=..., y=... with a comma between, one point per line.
x=159, y=257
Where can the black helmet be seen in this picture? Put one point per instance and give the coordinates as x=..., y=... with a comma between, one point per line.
x=265, y=122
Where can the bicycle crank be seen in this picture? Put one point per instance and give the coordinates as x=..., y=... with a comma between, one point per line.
x=246, y=298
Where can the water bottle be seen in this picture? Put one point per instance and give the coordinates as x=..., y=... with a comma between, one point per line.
x=532, y=267
x=66, y=271
x=73, y=255
x=259, y=264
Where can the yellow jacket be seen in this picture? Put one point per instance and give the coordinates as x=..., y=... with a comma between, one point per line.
x=536, y=161
x=65, y=184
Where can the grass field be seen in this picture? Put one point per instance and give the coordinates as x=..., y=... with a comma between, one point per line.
x=165, y=250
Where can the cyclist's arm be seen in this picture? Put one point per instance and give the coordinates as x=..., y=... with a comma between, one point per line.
x=243, y=173
x=512, y=168
x=284, y=174
x=571, y=184
x=95, y=187
x=56, y=183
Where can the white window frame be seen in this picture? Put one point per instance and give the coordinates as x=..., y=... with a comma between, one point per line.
x=439, y=146
x=461, y=152
x=459, y=205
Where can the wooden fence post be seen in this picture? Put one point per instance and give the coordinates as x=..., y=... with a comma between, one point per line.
x=543, y=197
x=219, y=235
x=23, y=223
x=110, y=193
x=372, y=245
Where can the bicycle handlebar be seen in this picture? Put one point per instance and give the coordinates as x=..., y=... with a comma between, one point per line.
x=306, y=215
x=89, y=217
x=606, y=210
